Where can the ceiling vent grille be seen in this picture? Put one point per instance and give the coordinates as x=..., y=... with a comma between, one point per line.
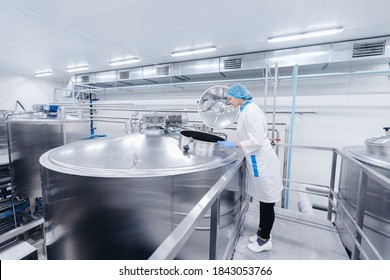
x=369, y=49
x=162, y=71
x=124, y=75
x=232, y=64
x=85, y=79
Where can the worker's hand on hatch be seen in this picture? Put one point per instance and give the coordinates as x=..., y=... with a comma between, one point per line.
x=227, y=144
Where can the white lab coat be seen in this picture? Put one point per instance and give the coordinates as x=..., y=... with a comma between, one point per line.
x=263, y=168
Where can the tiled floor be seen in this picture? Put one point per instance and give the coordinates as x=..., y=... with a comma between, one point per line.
x=295, y=236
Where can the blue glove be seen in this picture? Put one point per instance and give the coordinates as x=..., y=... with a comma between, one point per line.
x=227, y=144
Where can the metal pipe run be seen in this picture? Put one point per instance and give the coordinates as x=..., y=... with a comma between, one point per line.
x=281, y=78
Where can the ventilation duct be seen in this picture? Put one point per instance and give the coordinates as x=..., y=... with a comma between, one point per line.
x=232, y=64
x=373, y=48
x=162, y=71
x=85, y=79
x=361, y=54
x=124, y=75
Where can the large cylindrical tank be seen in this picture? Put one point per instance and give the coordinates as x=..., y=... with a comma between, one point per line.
x=376, y=155
x=3, y=137
x=120, y=198
x=5, y=176
x=29, y=138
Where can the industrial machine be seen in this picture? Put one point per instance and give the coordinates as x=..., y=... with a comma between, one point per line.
x=375, y=154
x=119, y=198
x=24, y=137
x=32, y=135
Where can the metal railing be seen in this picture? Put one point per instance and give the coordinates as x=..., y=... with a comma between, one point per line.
x=179, y=236
x=334, y=201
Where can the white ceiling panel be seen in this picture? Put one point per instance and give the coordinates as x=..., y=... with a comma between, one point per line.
x=42, y=34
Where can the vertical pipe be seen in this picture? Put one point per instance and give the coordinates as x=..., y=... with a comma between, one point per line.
x=266, y=87
x=92, y=130
x=295, y=84
x=361, y=203
x=274, y=102
x=277, y=136
x=285, y=154
x=63, y=116
x=214, y=229
x=331, y=185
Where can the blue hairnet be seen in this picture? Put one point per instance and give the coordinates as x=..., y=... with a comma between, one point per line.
x=239, y=91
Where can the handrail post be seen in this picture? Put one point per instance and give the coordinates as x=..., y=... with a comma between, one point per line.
x=360, y=207
x=214, y=229
x=284, y=170
x=331, y=185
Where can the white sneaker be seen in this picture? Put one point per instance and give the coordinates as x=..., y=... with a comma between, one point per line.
x=255, y=247
x=253, y=238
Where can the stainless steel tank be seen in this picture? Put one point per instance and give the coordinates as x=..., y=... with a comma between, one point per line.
x=3, y=137
x=29, y=138
x=120, y=198
x=5, y=176
x=376, y=155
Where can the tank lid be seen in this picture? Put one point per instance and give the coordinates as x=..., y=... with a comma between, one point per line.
x=135, y=155
x=361, y=153
x=379, y=145
x=379, y=141
x=214, y=108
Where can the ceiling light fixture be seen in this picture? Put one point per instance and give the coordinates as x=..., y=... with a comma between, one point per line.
x=124, y=61
x=77, y=68
x=197, y=51
x=305, y=35
x=43, y=73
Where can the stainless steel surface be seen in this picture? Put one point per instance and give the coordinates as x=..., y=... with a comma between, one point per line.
x=21, y=229
x=379, y=145
x=3, y=137
x=214, y=108
x=175, y=241
x=205, y=145
x=29, y=138
x=120, y=198
x=377, y=206
x=20, y=251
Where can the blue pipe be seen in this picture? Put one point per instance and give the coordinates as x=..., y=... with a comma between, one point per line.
x=91, y=128
x=292, y=119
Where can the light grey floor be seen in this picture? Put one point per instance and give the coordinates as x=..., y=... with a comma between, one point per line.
x=295, y=236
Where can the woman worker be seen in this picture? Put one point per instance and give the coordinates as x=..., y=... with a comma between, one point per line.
x=263, y=170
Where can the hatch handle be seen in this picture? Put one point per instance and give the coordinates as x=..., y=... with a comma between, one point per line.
x=187, y=146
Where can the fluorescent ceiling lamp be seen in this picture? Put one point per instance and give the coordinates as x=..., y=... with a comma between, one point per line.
x=198, y=51
x=124, y=61
x=78, y=68
x=305, y=35
x=43, y=73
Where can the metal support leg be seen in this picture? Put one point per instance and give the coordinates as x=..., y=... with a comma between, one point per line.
x=331, y=185
x=214, y=229
x=360, y=207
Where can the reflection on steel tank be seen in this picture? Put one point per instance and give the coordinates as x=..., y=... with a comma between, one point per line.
x=5, y=176
x=120, y=198
x=3, y=136
x=376, y=155
x=30, y=137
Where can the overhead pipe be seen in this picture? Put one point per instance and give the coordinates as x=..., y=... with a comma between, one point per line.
x=281, y=78
x=185, y=110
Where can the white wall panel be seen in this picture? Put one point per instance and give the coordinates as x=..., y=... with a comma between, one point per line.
x=27, y=91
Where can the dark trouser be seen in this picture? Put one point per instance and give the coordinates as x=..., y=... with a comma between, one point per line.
x=267, y=218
